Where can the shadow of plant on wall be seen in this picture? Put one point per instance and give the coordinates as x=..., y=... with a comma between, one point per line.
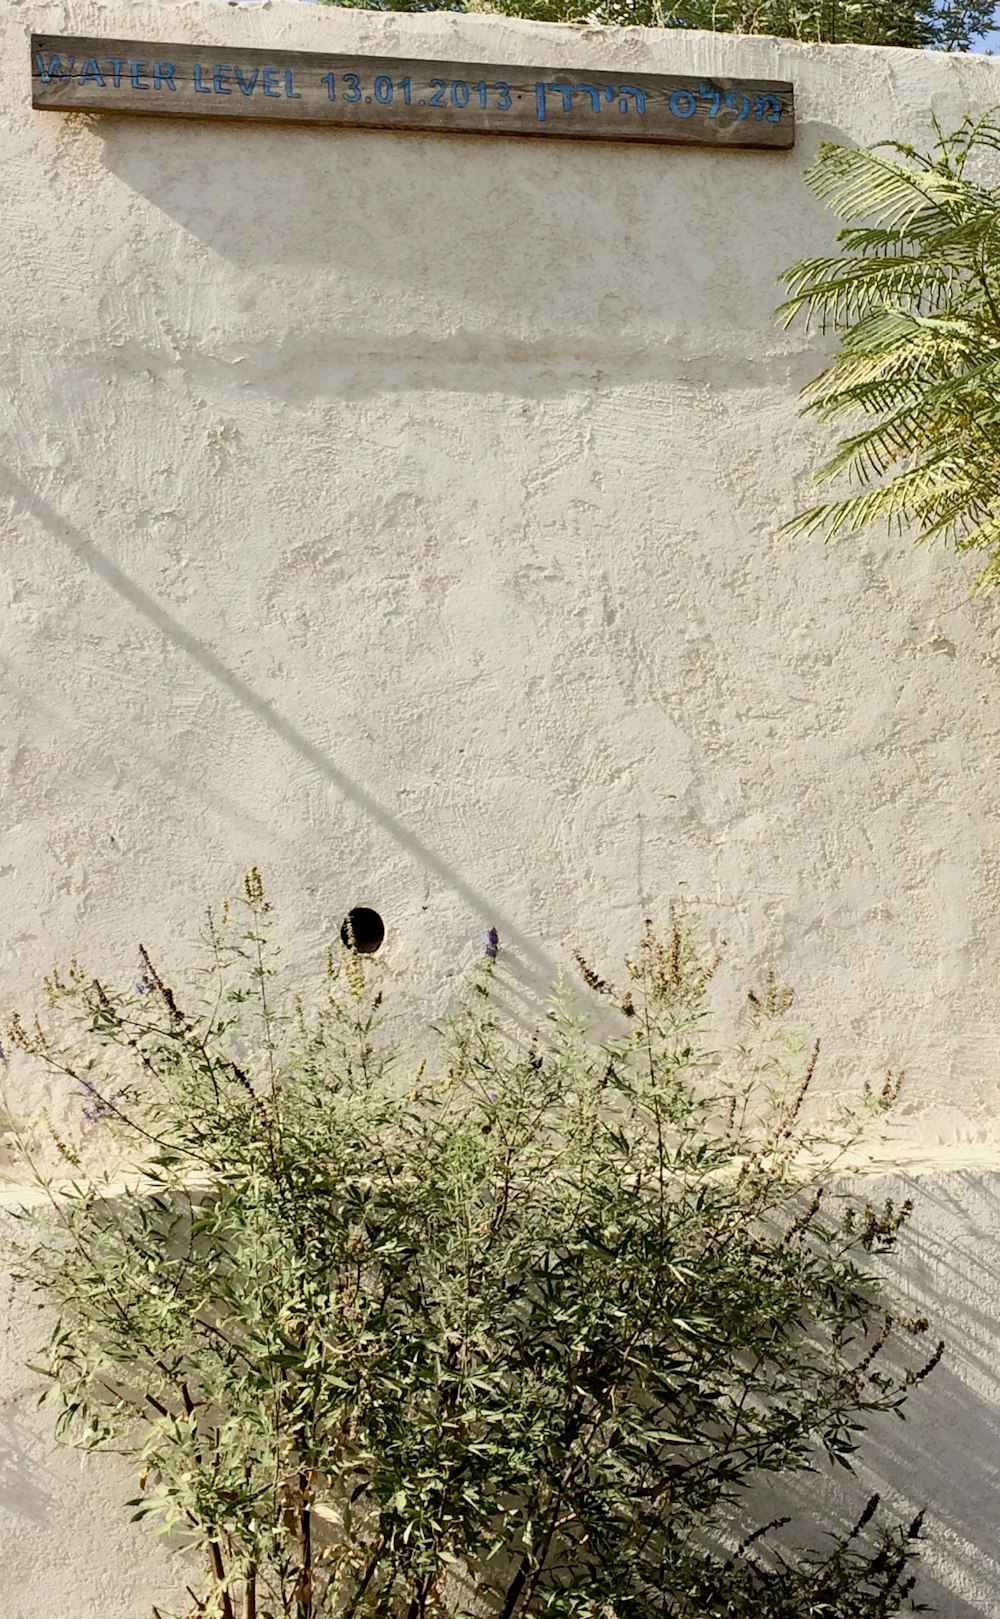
x=945, y=1270
x=522, y=1326
x=22, y=1495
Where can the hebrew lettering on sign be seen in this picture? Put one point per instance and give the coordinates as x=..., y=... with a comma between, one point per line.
x=372, y=92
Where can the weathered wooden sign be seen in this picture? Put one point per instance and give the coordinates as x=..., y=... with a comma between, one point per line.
x=377, y=92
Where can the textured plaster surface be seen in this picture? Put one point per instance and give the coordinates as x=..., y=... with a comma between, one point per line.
x=400, y=512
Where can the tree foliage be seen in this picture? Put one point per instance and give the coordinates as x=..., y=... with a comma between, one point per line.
x=918, y=24
x=513, y=1332
x=914, y=298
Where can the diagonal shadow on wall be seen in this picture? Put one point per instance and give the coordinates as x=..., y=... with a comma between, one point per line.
x=536, y=965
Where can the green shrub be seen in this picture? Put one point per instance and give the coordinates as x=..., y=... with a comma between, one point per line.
x=513, y=1332
x=945, y=25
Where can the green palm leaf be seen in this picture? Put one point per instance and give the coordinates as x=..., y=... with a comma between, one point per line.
x=914, y=297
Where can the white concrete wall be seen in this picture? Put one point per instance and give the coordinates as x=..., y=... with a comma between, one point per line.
x=400, y=512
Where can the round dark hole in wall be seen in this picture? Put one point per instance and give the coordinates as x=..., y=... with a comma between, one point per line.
x=363, y=929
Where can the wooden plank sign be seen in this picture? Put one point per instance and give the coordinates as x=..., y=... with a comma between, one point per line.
x=379, y=92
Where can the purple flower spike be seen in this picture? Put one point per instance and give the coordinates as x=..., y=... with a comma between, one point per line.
x=96, y=1107
x=492, y=945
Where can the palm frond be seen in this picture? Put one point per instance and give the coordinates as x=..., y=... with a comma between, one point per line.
x=861, y=183
x=839, y=290
x=920, y=490
x=985, y=537
x=914, y=296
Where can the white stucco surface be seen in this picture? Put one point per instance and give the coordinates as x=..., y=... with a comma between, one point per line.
x=400, y=512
